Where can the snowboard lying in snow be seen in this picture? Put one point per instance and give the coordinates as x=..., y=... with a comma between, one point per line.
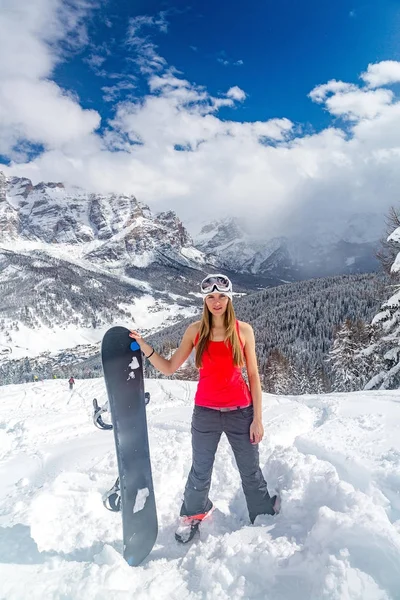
x=123, y=375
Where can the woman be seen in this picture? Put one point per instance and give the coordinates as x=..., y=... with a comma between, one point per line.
x=223, y=403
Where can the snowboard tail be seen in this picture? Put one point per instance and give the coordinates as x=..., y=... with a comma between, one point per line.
x=123, y=375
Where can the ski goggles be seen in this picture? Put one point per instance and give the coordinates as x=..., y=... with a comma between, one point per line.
x=219, y=283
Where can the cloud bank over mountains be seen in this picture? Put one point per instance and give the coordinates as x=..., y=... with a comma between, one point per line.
x=171, y=146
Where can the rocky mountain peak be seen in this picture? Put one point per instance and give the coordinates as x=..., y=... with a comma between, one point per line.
x=3, y=186
x=52, y=213
x=171, y=223
x=19, y=186
x=219, y=233
x=8, y=214
x=112, y=230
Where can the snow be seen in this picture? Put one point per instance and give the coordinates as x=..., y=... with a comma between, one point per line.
x=193, y=254
x=75, y=255
x=394, y=301
x=394, y=236
x=28, y=342
x=396, y=265
x=335, y=459
x=147, y=315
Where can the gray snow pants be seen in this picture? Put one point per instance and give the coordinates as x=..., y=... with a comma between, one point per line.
x=207, y=427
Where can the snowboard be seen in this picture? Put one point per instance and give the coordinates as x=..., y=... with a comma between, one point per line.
x=123, y=375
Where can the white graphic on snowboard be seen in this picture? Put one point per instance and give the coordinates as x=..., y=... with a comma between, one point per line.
x=140, y=500
x=134, y=364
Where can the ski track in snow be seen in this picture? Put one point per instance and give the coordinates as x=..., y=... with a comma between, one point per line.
x=334, y=458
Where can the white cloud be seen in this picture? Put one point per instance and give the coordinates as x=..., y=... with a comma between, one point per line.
x=351, y=102
x=112, y=92
x=34, y=109
x=136, y=24
x=382, y=73
x=236, y=93
x=321, y=92
x=359, y=104
x=167, y=81
x=223, y=60
x=274, y=129
x=95, y=61
x=43, y=113
x=147, y=56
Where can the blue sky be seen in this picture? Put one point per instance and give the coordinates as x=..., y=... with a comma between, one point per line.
x=258, y=110
x=276, y=51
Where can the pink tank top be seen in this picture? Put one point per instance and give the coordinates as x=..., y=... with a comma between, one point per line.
x=221, y=384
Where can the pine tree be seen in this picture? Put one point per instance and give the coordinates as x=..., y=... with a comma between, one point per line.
x=299, y=380
x=387, y=252
x=276, y=377
x=387, y=346
x=188, y=372
x=310, y=380
x=350, y=366
x=339, y=355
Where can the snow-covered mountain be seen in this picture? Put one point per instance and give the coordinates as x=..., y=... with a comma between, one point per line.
x=115, y=229
x=345, y=245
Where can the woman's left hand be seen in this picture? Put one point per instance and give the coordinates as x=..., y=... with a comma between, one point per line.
x=256, y=432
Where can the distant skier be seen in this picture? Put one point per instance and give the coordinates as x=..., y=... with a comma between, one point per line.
x=71, y=382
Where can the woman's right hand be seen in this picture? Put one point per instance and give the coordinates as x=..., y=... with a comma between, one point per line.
x=137, y=337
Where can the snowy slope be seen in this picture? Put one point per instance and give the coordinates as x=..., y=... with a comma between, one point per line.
x=47, y=306
x=335, y=458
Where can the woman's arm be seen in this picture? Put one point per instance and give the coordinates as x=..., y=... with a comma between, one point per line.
x=256, y=429
x=168, y=366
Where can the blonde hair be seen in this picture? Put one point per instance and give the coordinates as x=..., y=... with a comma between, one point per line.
x=231, y=335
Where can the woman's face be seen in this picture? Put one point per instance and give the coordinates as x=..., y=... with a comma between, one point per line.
x=217, y=303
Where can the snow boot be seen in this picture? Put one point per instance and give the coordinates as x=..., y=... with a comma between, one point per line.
x=189, y=525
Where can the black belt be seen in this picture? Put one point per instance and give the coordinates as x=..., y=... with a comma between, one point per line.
x=227, y=408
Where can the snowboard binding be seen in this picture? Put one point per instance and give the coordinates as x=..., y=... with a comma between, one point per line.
x=100, y=410
x=112, y=498
x=97, y=418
